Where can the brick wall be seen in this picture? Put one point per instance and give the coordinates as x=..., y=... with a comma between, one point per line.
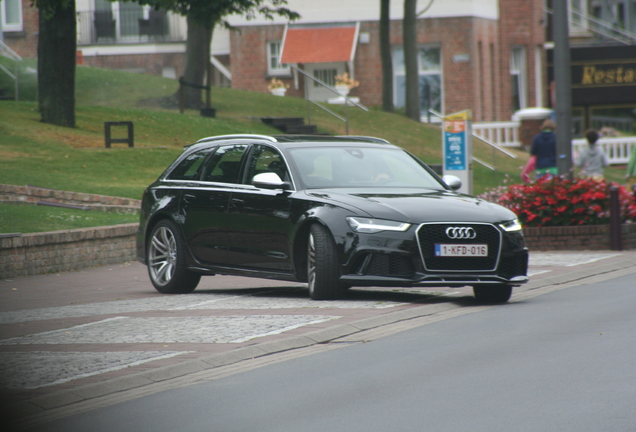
x=60, y=251
x=475, y=59
x=588, y=237
x=33, y=195
x=25, y=42
x=521, y=23
x=249, y=58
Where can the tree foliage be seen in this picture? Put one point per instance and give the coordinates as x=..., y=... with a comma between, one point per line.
x=210, y=12
x=202, y=17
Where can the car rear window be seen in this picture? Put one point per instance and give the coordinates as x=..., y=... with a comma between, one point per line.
x=188, y=168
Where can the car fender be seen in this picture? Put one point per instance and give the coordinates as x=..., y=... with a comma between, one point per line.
x=332, y=216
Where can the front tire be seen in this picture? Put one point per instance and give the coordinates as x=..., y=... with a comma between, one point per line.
x=323, y=275
x=166, y=261
x=492, y=294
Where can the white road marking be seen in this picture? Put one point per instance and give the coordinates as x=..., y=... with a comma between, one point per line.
x=123, y=330
x=31, y=370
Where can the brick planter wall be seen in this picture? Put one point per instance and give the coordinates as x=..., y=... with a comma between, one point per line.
x=588, y=237
x=33, y=195
x=59, y=251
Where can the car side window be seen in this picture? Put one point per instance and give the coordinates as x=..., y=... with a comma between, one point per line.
x=188, y=168
x=225, y=164
x=265, y=159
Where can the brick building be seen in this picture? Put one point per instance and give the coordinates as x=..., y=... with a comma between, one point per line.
x=483, y=55
x=489, y=56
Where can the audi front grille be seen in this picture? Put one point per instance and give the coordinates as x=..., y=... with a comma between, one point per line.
x=431, y=234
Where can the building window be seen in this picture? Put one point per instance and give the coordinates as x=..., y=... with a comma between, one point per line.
x=273, y=56
x=430, y=74
x=328, y=76
x=578, y=11
x=11, y=15
x=518, y=75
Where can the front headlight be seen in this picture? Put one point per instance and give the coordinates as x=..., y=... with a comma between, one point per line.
x=366, y=225
x=513, y=225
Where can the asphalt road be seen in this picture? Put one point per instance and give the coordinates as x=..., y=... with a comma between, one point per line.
x=78, y=341
x=562, y=361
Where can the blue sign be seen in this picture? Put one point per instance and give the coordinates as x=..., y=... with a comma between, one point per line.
x=455, y=151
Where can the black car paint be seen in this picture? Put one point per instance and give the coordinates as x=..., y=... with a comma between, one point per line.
x=265, y=233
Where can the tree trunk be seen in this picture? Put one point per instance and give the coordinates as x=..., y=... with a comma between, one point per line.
x=57, y=46
x=410, y=61
x=197, y=58
x=385, y=54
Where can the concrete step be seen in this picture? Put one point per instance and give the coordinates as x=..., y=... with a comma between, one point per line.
x=290, y=125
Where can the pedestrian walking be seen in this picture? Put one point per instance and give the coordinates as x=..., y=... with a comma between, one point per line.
x=591, y=160
x=544, y=148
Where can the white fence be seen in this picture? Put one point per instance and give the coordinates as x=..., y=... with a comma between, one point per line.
x=506, y=134
x=503, y=134
x=617, y=149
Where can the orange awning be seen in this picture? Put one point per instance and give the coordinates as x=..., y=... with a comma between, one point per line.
x=319, y=45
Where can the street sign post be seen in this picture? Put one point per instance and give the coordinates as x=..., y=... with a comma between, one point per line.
x=458, y=149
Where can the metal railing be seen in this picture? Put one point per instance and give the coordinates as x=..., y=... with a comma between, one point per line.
x=495, y=148
x=15, y=75
x=347, y=100
x=602, y=28
x=128, y=27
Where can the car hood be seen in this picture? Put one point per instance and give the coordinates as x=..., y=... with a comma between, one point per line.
x=417, y=206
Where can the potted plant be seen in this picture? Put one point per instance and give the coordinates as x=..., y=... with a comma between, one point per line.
x=277, y=87
x=344, y=83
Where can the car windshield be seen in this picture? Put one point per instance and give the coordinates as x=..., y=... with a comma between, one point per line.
x=360, y=167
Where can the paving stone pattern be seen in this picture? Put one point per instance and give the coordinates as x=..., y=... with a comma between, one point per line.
x=71, y=342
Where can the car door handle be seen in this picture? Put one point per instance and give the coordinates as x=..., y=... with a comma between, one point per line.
x=189, y=198
x=237, y=202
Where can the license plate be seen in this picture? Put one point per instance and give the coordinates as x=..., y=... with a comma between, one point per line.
x=461, y=250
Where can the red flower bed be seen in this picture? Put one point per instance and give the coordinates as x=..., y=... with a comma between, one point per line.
x=558, y=201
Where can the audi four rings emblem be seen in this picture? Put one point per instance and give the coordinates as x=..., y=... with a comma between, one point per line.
x=457, y=233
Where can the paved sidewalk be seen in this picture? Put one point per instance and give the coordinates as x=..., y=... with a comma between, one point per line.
x=75, y=341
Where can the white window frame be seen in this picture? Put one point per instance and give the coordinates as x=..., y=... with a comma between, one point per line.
x=400, y=71
x=274, y=51
x=538, y=75
x=11, y=26
x=578, y=10
x=518, y=73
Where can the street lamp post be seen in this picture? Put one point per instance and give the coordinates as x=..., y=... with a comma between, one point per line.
x=563, y=81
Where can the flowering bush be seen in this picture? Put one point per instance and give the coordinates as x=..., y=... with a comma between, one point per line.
x=345, y=80
x=276, y=83
x=558, y=201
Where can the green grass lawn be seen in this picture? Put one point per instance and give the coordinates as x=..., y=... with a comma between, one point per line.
x=26, y=218
x=43, y=155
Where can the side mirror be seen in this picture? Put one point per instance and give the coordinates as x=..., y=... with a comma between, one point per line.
x=270, y=180
x=452, y=181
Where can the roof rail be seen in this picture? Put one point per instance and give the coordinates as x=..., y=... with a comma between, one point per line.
x=235, y=136
x=365, y=138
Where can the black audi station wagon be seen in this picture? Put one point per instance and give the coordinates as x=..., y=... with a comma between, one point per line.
x=335, y=212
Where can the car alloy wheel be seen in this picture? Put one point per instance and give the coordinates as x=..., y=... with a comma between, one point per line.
x=322, y=265
x=166, y=261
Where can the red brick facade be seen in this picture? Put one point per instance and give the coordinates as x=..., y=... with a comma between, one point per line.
x=25, y=42
x=475, y=55
x=522, y=23
x=475, y=58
